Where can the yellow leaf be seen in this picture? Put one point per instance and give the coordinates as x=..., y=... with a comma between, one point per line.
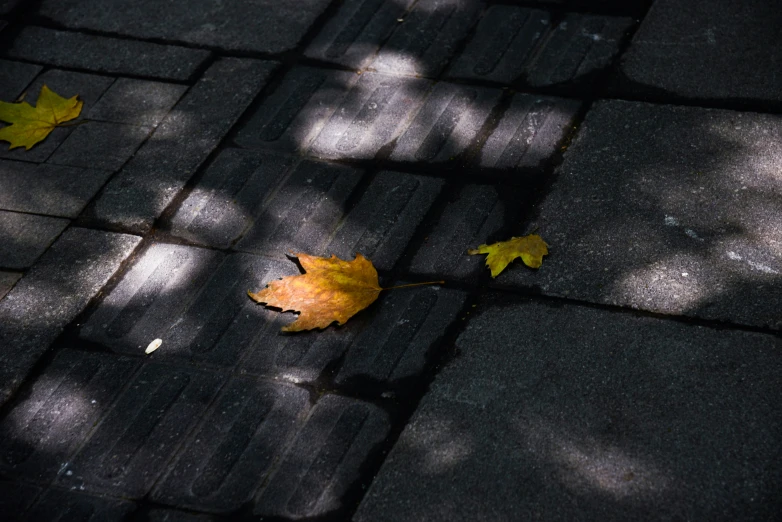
x=29, y=124
x=530, y=249
x=330, y=290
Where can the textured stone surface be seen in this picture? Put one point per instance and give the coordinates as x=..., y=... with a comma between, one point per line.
x=88, y=87
x=53, y=419
x=147, y=184
x=669, y=209
x=354, y=34
x=426, y=40
x=51, y=294
x=56, y=504
x=103, y=54
x=136, y=102
x=100, y=145
x=708, y=50
x=276, y=26
x=579, y=50
x=7, y=281
x=475, y=217
x=373, y=113
x=529, y=133
x=24, y=237
x=293, y=115
x=227, y=459
x=596, y=416
x=48, y=189
x=324, y=460
x=502, y=44
x=14, y=77
x=131, y=446
x=171, y=515
x=447, y=124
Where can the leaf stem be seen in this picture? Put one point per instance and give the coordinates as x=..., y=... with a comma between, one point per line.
x=73, y=124
x=415, y=284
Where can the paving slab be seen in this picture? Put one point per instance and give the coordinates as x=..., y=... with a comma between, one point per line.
x=530, y=132
x=707, y=50
x=14, y=77
x=427, y=38
x=7, y=281
x=276, y=26
x=324, y=460
x=579, y=51
x=353, y=35
x=136, y=102
x=105, y=54
x=24, y=237
x=374, y=112
x=52, y=294
x=595, y=415
x=447, y=124
x=48, y=189
x=172, y=515
x=293, y=115
x=47, y=425
x=15, y=498
x=56, y=504
x=233, y=451
x=88, y=87
x=131, y=446
x=195, y=301
x=100, y=145
x=139, y=193
x=668, y=209
x=476, y=216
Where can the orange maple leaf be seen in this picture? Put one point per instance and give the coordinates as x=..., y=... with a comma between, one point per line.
x=530, y=249
x=331, y=290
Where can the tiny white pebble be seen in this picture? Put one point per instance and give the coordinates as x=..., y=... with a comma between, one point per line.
x=154, y=345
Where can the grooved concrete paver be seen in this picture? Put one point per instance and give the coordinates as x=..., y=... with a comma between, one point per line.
x=48, y=189
x=580, y=49
x=105, y=54
x=88, y=87
x=324, y=460
x=24, y=237
x=129, y=449
x=504, y=39
x=371, y=116
x=475, y=217
x=66, y=505
x=427, y=38
x=195, y=300
x=45, y=428
x=14, y=77
x=447, y=124
x=354, y=34
x=707, y=50
x=188, y=134
x=7, y=281
x=293, y=115
x=51, y=294
x=233, y=451
x=529, y=133
x=668, y=209
x=276, y=26
x=596, y=416
x=136, y=102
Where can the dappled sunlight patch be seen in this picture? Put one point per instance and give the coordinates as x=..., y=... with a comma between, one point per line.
x=585, y=465
x=441, y=445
